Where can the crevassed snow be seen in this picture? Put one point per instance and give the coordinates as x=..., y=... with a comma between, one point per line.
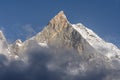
x=95, y=41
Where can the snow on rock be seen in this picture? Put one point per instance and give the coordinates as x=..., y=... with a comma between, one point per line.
x=3, y=45
x=105, y=48
x=60, y=30
x=18, y=42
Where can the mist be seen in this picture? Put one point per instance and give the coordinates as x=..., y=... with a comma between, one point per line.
x=52, y=63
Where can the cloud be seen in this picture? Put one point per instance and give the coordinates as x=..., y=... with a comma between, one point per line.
x=55, y=64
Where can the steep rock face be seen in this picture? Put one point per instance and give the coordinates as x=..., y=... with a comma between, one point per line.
x=59, y=32
x=55, y=26
x=105, y=48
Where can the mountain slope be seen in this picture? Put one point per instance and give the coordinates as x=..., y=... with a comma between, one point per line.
x=95, y=41
x=61, y=51
x=60, y=33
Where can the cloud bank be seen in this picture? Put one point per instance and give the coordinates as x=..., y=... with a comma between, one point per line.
x=54, y=64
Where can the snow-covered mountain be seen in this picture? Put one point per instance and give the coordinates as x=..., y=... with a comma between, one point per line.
x=60, y=33
x=61, y=51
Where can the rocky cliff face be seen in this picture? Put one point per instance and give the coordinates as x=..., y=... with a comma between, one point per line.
x=60, y=33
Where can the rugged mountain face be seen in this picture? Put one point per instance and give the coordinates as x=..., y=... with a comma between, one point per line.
x=61, y=51
x=59, y=33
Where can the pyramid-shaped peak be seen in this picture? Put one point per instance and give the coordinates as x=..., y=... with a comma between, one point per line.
x=59, y=18
x=61, y=14
x=59, y=22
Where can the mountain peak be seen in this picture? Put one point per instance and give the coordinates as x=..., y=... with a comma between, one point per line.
x=56, y=25
x=59, y=21
x=61, y=15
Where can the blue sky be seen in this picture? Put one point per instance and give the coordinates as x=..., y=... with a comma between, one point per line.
x=24, y=18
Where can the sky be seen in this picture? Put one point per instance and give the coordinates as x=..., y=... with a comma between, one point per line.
x=21, y=19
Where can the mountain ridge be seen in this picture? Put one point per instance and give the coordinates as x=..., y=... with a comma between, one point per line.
x=61, y=51
x=61, y=33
